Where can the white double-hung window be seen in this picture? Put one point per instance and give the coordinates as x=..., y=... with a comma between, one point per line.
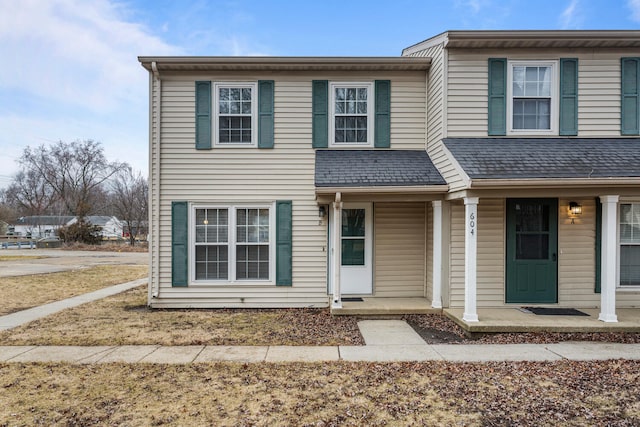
x=532, y=105
x=235, y=112
x=351, y=109
x=232, y=243
x=630, y=244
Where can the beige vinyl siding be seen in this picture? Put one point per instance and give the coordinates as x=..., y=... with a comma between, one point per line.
x=251, y=175
x=491, y=254
x=598, y=89
x=456, y=255
x=429, y=257
x=436, y=101
x=399, y=252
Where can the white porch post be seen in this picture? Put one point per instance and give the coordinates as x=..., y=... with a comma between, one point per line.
x=337, y=249
x=437, y=254
x=470, y=258
x=609, y=259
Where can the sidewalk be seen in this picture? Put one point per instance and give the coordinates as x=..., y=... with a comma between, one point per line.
x=580, y=351
x=25, y=316
x=386, y=341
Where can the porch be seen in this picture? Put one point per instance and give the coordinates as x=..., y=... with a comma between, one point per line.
x=370, y=306
x=514, y=319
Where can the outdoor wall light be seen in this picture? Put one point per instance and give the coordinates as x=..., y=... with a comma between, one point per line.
x=322, y=211
x=575, y=209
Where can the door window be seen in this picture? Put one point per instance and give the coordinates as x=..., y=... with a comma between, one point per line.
x=532, y=231
x=353, y=236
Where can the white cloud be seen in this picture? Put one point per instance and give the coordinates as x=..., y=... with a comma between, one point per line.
x=75, y=52
x=634, y=5
x=571, y=17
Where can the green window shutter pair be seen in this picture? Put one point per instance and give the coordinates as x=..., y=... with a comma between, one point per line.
x=630, y=114
x=320, y=114
x=497, y=100
x=204, y=114
x=180, y=243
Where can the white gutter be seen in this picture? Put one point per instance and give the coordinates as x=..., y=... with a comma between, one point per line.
x=155, y=275
x=417, y=189
x=496, y=184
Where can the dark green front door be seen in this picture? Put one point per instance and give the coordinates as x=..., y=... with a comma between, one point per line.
x=532, y=251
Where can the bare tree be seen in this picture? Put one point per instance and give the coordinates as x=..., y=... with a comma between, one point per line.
x=130, y=192
x=30, y=194
x=75, y=171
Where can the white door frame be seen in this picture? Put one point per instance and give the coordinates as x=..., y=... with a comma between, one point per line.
x=354, y=280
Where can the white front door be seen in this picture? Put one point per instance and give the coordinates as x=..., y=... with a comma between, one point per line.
x=356, y=270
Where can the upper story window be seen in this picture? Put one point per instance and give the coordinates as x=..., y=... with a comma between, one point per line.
x=235, y=112
x=532, y=103
x=351, y=108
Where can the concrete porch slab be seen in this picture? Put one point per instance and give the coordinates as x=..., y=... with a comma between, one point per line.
x=511, y=319
x=371, y=306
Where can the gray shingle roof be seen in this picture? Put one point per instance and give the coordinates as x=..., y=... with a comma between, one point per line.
x=505, y=158
x=372, y=168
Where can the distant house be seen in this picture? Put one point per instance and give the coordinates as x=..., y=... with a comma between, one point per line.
x=110, y=226
x=38, y=226
x=41, y=226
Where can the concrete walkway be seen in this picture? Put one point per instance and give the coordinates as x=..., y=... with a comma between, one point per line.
x=21, y=317
x=386, y=341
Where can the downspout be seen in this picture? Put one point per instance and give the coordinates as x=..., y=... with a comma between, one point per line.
x=155, y=194
x=337, y=249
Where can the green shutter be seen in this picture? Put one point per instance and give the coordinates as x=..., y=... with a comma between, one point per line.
x=382, y=137
x=265, y=113
x=497, y=104
x=630, y=99
x=598, y=245
x=568, y=96
x=283, y=243
x=203, y=115
x=320, y=112
x=179, y=243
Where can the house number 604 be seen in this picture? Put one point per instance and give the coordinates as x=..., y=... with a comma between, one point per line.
x=472, y=223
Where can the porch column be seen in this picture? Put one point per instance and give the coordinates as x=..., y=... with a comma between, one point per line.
x=470, y=258
x=437, y=254
x=337, y=250
x=609, y=259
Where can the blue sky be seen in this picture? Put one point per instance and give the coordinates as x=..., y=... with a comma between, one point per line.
x=69, y=69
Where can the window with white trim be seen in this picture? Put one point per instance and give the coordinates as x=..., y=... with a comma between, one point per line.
x=351, y=108
x=532, y=103
x=235, y=112
x=630, y=244
x=232, y=243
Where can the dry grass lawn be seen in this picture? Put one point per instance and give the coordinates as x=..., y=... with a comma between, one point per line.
x=131, y=322
x=19, y=257
x=322, y=394
x=22, y=292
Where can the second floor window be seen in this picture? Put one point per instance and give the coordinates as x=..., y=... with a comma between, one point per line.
x=533, y=97
x=351, y=120
x=235, y=112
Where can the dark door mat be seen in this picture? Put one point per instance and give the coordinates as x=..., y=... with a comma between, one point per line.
x=352, y=299
x=544, y=311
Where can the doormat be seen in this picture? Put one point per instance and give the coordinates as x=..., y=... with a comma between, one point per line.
x=544, y=311
x=352, y=299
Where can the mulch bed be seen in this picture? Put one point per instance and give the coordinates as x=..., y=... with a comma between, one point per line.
x=438, y=329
